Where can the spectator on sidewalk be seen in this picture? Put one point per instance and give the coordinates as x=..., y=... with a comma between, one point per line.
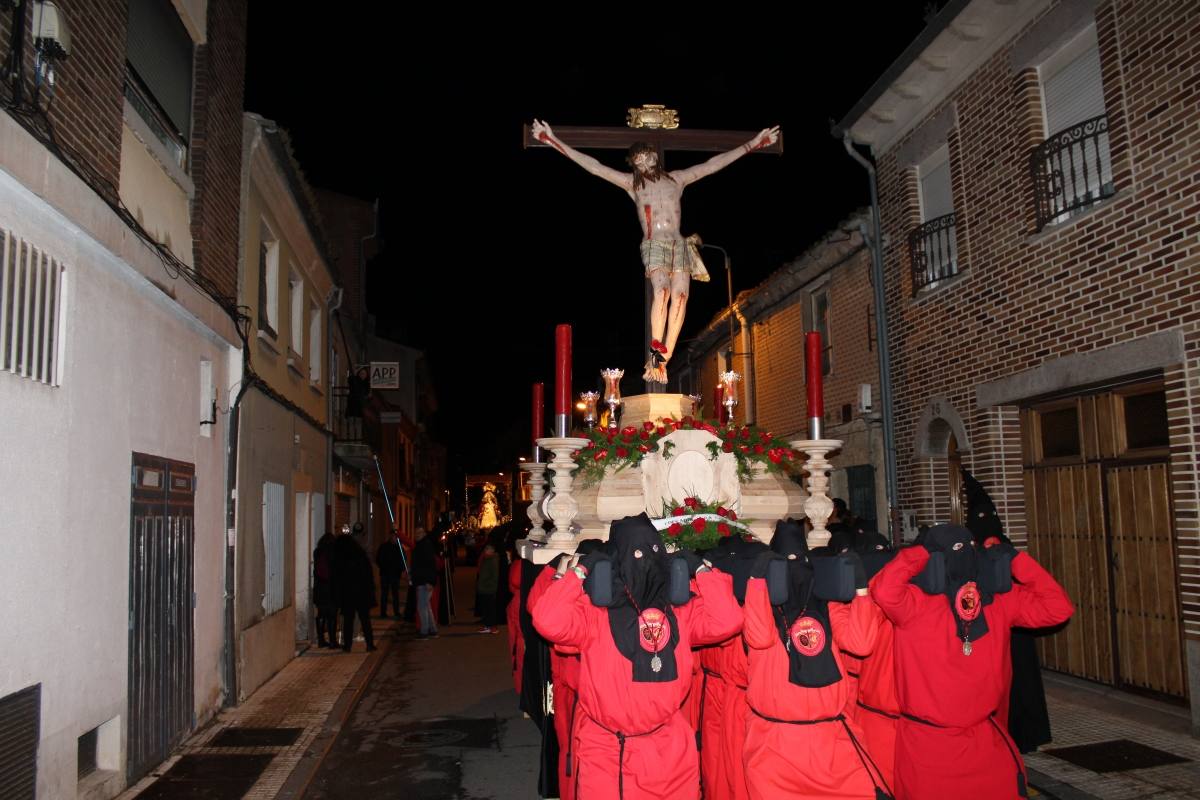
x=424, y=574
x=354, y=586
x=323, y=597
x=390, y=564
x=487, y=584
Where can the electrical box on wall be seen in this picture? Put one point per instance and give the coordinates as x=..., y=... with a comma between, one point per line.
x=864, y=398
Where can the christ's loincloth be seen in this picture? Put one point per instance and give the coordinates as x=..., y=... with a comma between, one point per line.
x=674, y=255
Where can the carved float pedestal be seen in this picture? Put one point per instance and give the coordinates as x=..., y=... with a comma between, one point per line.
x=560, y=507
x=537, y=493
x=688, y=471
x=818, y=507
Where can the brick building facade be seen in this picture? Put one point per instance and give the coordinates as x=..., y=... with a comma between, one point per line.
x=828, y=288
x=1038, y=172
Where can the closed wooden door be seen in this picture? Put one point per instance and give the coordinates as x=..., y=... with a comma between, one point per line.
x=1067, y=536
x=1145, y=597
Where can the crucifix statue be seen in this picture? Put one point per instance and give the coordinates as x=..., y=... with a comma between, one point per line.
x=671, y=260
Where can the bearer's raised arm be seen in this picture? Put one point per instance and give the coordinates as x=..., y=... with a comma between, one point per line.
x=765, y=138
x=541, y=131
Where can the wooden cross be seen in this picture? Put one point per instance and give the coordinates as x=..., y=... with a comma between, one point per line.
x=662, y=140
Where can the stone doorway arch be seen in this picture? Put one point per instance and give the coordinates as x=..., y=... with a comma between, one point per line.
x=941, y=439
x=939, y=419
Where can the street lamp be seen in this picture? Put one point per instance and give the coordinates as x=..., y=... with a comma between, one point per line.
x=729, y=292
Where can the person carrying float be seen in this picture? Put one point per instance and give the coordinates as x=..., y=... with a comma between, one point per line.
x=874, y=708
x=724, y=729
x=799, y=741
x=951, y=644
x=633, y=615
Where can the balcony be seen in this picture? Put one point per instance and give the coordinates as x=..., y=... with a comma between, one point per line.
x=1071, y=170
x=356, y=439
x=933, y=252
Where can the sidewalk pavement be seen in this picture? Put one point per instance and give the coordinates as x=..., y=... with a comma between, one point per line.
x=310, y=697
x=1083, y=713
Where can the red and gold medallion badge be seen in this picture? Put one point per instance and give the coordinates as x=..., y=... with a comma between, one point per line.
x=967, y=602
x=654, y=630
x=807, y=636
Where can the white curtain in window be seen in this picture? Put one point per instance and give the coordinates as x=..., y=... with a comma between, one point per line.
x=275, y=593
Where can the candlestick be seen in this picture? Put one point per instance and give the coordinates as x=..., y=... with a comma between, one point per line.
x=814, y=376
x=539, y=422
x=562, y=380
x=612, y=392
x=729, y=386
x=589, y=407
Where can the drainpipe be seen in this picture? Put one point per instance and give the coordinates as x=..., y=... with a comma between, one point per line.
x=748, y=364
x=231, y=477
x=334, y=303
x=881, y=335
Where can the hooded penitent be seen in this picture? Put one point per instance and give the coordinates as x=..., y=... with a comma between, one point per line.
x=735, y=556
x=642, y=622
x=803, y=621
x=982, y=519
x=967, y=599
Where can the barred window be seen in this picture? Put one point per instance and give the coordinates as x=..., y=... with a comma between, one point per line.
x=32, y=292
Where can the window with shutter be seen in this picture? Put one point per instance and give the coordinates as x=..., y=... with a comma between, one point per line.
x=158, y=81
x=1073, y=168
x=932, y=246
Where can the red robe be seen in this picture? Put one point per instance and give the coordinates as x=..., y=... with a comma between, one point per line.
x=876, y=708
x=516, y=641
x=813, y=761
x=564, y=675
x=964, y=752
x=853, y=663
x=659, y=761
x=691, y=703
x=714, y=756
x=733, y=722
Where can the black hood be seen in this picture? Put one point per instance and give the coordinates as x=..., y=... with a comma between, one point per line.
x=735, y=556
x=957, y=546
x=803, y=621
x=640, y=609
x=982, y=518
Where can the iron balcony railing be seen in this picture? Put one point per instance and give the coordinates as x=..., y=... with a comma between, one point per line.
x=933, y=252
x=1071, y=170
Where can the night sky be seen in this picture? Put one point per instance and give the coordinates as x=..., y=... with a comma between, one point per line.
x=486, y=245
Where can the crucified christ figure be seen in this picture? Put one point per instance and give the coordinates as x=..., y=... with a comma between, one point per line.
x=671, y=259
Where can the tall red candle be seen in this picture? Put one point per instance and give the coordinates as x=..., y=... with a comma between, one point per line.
x=816, y=394
x=539, y=411
x=562, y=370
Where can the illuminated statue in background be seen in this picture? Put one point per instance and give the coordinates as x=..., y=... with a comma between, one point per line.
x=489, y=512
x=671, y=260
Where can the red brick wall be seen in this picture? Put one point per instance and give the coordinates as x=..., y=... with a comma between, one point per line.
x=779, y=352
x=216, y=155
x=347, y=220
x=1128, y=268
x=89, y=86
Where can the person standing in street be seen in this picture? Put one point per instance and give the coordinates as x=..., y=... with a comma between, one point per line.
x=487, y=585
x=323, y=597
x=387, y=558
x=424, y=574
x=354, y=586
